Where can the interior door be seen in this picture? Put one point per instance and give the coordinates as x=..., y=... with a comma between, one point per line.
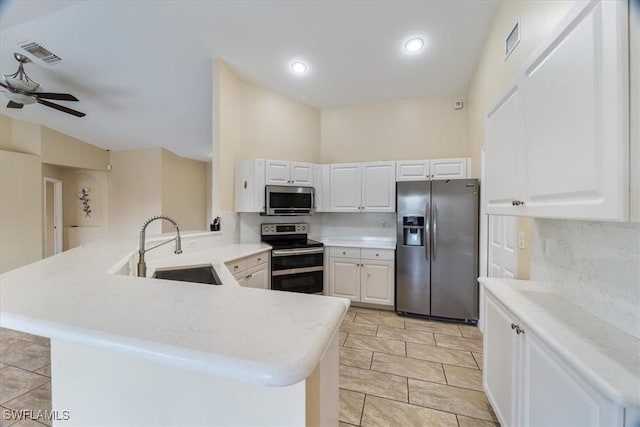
x=503, y=260
x=454, y=248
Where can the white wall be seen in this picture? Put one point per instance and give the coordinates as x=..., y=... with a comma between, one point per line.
x=596, y=265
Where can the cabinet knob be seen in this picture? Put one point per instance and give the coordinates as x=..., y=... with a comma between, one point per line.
x=517, y=203
x=235, y=267
x=259, y=259
x=519, y=330
x=513, y=326
x=245, y=185
x=344, y=253
x=377, y=254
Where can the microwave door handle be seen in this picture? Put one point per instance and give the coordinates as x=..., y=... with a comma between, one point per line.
x=313, y=200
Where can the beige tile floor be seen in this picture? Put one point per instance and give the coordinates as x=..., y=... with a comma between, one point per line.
x=399, y=371
x=25, y=382
x=394, y=371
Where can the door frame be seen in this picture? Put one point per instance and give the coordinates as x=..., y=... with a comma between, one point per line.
x=57, y=213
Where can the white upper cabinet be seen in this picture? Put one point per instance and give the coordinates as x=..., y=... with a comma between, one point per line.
x=573, y=98
x=504, y=135
x=277, y=172
x=249, y=185
x=288, y=173
x=379, y=187
x=363, y=187
x=321, y=181
x=448, y=168
x=346, y=187
x=412, y=170
x=302, y=174
x=424, y=170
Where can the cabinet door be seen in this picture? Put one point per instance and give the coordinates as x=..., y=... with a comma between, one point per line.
x=376, y=283
x=258, y=277
x=500, y=361
x=379, y=187
x=448, y=168
x=545, y=378
x=277, y=172
x=346, y=188
x=301, y=174
x=503, y=148
x=412, y=170
x=249, y=185
x=634, y=57
x=345, y=278
x=576, y=111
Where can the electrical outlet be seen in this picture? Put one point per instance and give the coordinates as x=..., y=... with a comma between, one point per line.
x=191, y=244
x=521, y=243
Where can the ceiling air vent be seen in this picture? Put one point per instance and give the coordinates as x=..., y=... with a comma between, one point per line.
x=41, y=53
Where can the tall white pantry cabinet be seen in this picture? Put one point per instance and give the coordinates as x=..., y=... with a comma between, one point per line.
x=557, y=140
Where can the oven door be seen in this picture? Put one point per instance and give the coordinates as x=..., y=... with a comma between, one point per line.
x=306, y=280
x=297, y=270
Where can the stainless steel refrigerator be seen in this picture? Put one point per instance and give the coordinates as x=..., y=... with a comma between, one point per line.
x=437, y=248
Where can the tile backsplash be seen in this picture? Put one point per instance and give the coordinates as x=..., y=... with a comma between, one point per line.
x=343, y=226
x=596, y=265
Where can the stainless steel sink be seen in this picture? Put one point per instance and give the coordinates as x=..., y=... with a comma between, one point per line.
x=204, y=274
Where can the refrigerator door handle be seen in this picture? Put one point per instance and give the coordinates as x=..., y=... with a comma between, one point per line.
x=427, y=243
x=434, y=252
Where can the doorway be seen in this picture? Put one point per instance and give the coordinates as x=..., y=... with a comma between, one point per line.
x=52, y=216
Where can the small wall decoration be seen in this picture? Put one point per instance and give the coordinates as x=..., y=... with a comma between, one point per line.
x=83, y=195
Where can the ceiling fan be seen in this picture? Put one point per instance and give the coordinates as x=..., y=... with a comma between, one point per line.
x=21, y=90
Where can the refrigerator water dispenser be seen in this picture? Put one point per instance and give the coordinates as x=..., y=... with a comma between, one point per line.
x=413, y=230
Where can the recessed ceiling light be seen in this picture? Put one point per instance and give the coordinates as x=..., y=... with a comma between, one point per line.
x=414, y=45
x=299, y=67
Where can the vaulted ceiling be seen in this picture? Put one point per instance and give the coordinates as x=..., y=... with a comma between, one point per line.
x=142, y=69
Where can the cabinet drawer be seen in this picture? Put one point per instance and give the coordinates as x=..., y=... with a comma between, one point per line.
x=257, y=259
x=345, y=252
x=385, y=254
x=238, y=265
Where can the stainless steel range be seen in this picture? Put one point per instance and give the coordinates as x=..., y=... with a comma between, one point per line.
x=297, y=263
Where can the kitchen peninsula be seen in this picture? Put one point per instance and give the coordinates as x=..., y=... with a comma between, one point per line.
x=127, y=350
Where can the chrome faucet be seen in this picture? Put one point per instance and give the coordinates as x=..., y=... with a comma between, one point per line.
x=142, y=266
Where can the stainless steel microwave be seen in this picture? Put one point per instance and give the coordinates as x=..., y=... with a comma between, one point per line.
x=285, y=200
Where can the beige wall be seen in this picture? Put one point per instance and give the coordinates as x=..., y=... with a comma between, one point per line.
x=420, y=128
x=20, y=209
x=135, y=191
x=184, y=192
x=19, y=136
x=493, y=73
x=252, y=122
x=61, y=149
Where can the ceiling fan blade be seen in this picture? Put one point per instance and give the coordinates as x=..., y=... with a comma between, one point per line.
x=12, y=104
x=56, y=96
x=61, y=108
x=4, y=85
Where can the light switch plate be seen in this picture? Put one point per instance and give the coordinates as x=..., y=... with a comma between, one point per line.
x=521, y=242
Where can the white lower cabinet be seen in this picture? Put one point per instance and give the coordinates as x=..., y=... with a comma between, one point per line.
x=528, y=384
x=345, y=278
x=362, y=275
x=253, y=271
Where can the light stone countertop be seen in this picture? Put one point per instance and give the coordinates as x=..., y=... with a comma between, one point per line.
x=604, y=355
x=362, y=243
x=255, y=335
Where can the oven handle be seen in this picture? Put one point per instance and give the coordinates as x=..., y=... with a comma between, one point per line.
x=296, y=271
x=283, y=252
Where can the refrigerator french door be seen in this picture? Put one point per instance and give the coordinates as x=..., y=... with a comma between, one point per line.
x=437, y=249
